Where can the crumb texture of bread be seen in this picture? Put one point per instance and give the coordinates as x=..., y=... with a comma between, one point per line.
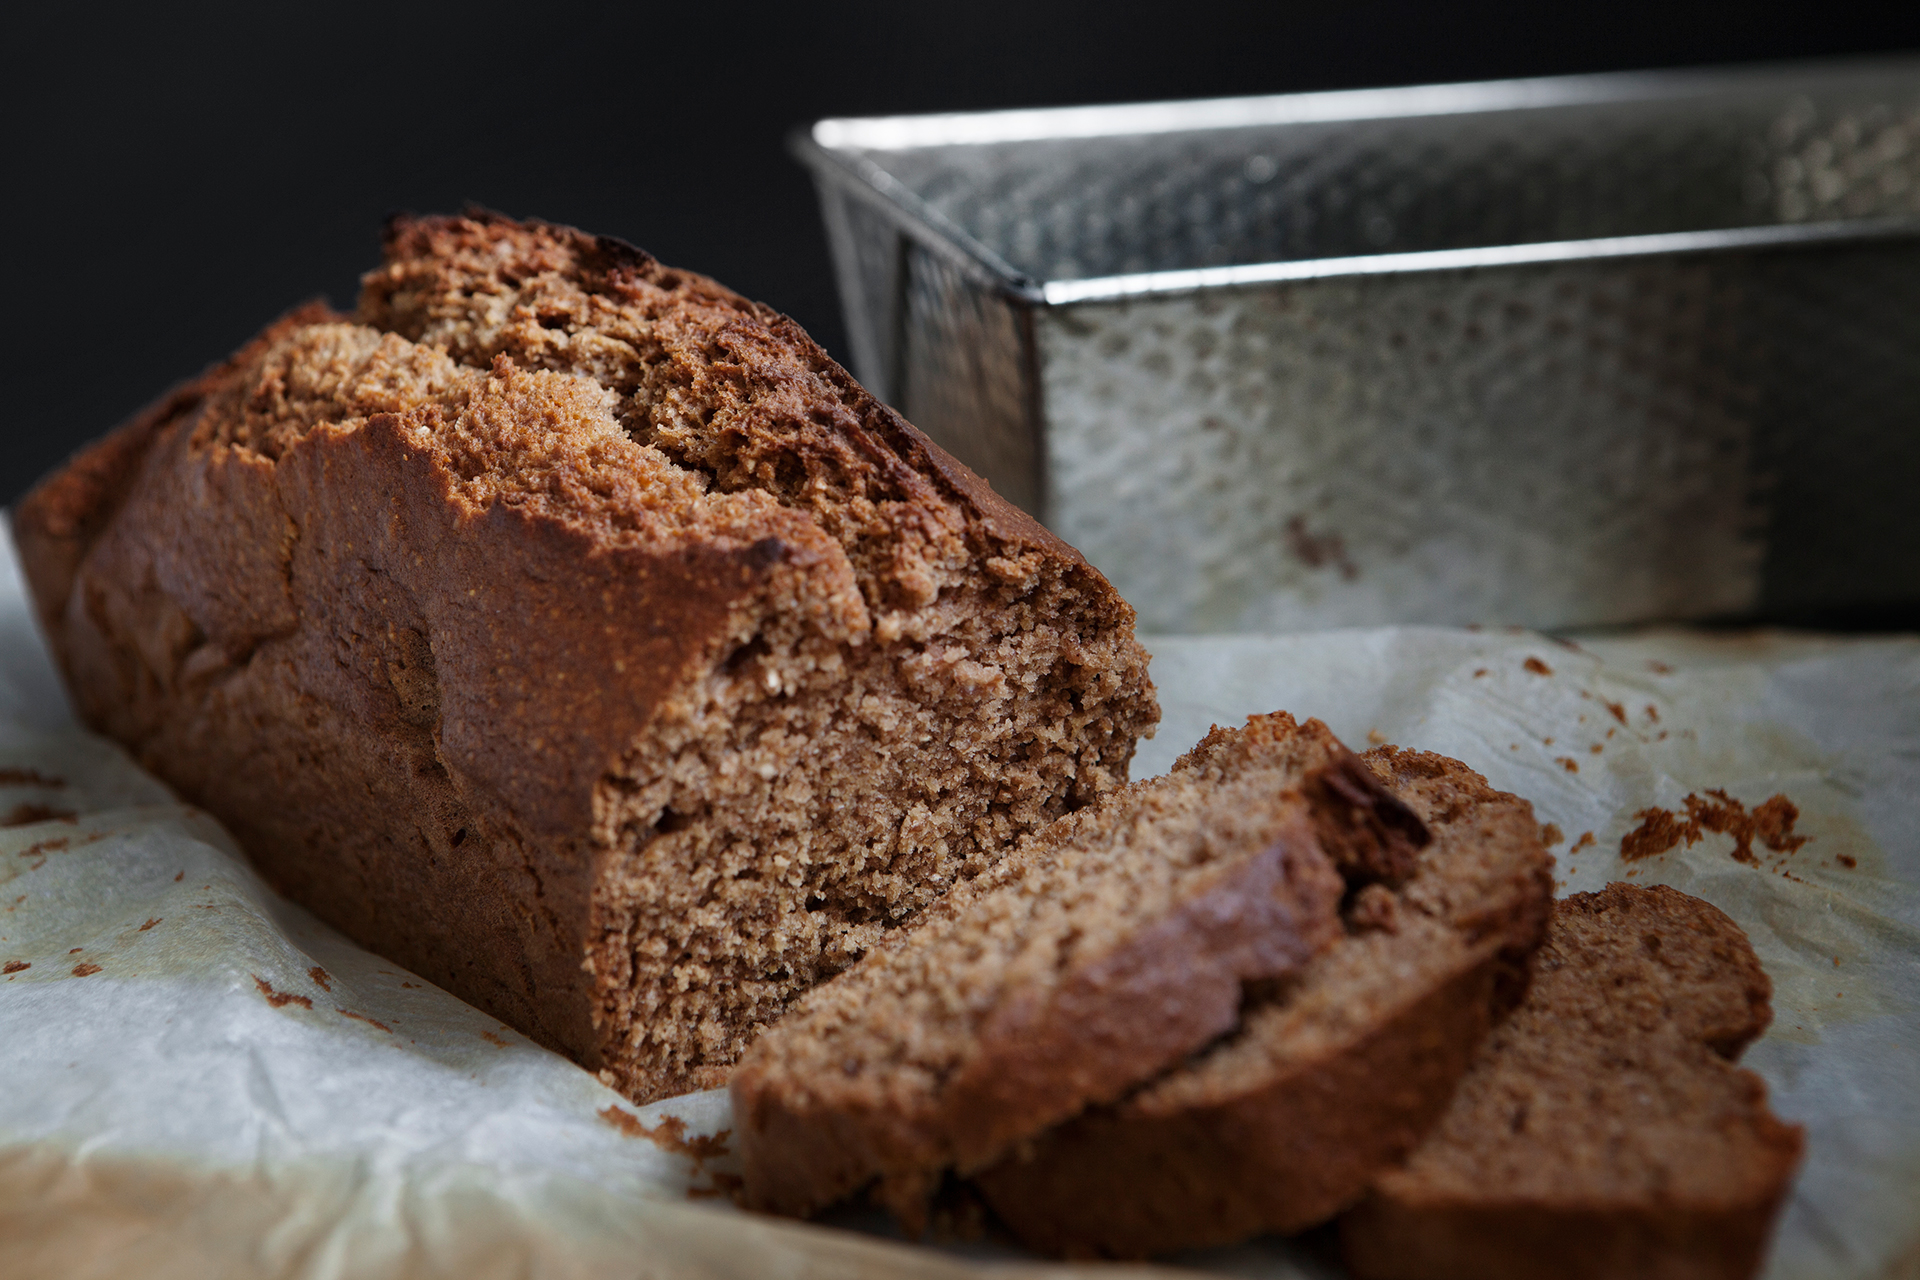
x=1603, y=1130
x=576, y=633
x=1103, y=949
x=1330, y=1076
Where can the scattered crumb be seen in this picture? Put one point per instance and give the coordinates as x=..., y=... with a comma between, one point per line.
x=1610, y=733
x=1546, y=742
x=1550, y=835
x=361, y=1017
x=410, y=986
x=493, y=1039
x=1771, y=822
x=1658, y=667
x=23, y=814
x=83, y=970
x=182, y=876
x=1565, y=643
x=1662, y=737
x=1538, y=667
x=320, y=976
x=279, y=999
x=15, y=966
x=1478, y=672
x=151, y=921
x=29, y=778
x=1586, y=838
x=669, y=1135
x=1848, y=861
x=1596, y=748
x=1617, y=710
x=41, y=848
x=76, y=951
x=625, y=1121
x=1653, y=713
x=1317, y=550
x=1568, y=763
x=1376, y=737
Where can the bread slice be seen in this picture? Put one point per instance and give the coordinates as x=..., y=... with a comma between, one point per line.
x=1603, y=1130
x=1102, y=950
x=1331, y=1075
x=576, y=633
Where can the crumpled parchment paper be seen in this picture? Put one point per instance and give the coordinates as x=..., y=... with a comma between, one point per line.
x=198, y=1079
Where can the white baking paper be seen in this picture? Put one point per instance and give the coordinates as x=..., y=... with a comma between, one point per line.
x=198, y=1079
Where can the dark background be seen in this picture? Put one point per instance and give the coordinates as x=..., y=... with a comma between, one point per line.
x=177, y=178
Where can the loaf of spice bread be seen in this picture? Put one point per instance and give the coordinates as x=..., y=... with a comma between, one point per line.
x=576, y=633
x=1602, y=1132
x=1327, y=1078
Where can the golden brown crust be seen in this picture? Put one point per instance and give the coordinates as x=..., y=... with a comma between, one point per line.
x=58, y=520
x=1331, y=1078
x=1602, y=1131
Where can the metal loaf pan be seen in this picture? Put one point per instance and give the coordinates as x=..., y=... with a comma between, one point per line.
x=1551, y=352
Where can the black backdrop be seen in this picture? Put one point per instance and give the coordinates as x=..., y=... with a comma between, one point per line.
x=177, y=178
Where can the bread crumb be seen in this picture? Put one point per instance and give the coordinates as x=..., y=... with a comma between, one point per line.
x=1771, y=822
x=361, y=1017
x=279, y=999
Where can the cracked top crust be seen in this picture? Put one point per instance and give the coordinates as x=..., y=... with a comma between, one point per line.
x=606, y=407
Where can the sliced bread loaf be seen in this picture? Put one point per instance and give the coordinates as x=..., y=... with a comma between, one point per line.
x=1101, y=951
x=1603, y=1130
x=1332, y=1074
x=575, y=632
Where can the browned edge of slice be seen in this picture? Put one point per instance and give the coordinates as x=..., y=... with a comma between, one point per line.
x=1413, y=1227
x=1213, y=1175
x=1293, y=1147
x=1507, y=1242
x=1173, y=987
